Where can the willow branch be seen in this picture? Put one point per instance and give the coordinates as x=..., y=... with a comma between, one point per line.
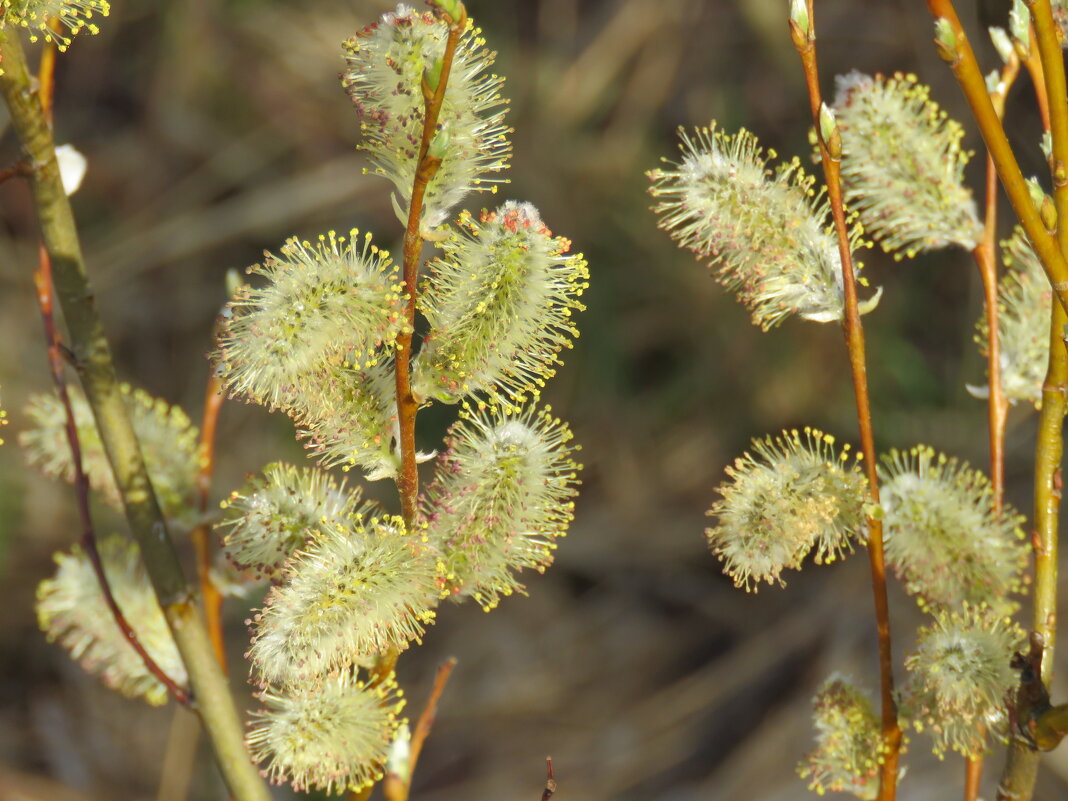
x=1021, y=768
x=962, y=61
x=407, y=406
x=830, y=154
x=92, y=360
x=42, y=279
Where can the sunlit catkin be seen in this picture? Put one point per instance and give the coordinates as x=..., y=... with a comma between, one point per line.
x=499, y=303
x=903, y=165
x=332, y=736
x=765, y=232
x=323, y=303
x=959, y=678
x=273, y=514
x=354, y=591
x=943, y=538
x=502, y=495
x=71, y=609
x=1025, y=302
x=55, y=20
x=347, y=416
x=794, y=494
x=848, y=742
x=168, y=444
x=390, y=66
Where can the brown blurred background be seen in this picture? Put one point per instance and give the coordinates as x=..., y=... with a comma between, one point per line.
x=217, y=128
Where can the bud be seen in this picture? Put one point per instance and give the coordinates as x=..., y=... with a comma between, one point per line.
x=800, y=24
x=832, y=139
x=999, y=37
x=946, y=41
x=797, y=494
x=273, y=514
x=959, y=678
x=386, y=67
x=323, y=304
x=72, y=16
x=168, y=439
x=1025, y=303
x=331, y=736
x=942, y=536
x=1020, y=27
x=356, y=590
x=767, y=233
x=500, y=303
x=848, y=742
x=912, y=204
x=71, y=609
x=501, y=497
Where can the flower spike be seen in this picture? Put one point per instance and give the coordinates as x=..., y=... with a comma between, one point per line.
x=71, y=609
x=765, y=232
x=323, y=303
x=73, y=16
x=356, y=590
x=942, y=537
x=333, y=736
x=387, y=65
x=499, y=303
x=798, y=493
x=903, y=165
x=501, y=497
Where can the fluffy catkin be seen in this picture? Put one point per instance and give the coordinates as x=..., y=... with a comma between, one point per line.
x=387, y=65
x=794, y=494
x=71, y=609
x=903, y=165
x=356, y=590
x=942, y=536
x=499, y=303
x=323, y=304
x=332, y=736
x=765, y=232
x=501, y=497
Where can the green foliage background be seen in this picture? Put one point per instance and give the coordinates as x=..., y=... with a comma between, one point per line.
x=216, y=128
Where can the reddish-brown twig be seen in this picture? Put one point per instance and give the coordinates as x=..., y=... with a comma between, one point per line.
x=550, y=780
x=42, y=279
x=805, y=42
x=407, y=406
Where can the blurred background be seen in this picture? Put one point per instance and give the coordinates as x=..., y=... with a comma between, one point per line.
x=217, y=128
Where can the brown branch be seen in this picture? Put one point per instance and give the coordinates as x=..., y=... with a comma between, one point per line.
x=42, y=279
x=407, y=406
x=830, y=154
x=550, y=780
x=398, y=788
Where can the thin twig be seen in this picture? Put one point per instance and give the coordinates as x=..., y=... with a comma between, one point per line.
x=805, y=42
x=985, y=256
x=407, y=406
x=550, y=780
x=962, y=61
x=42, y=279
x=398, y=788
x=92, y=360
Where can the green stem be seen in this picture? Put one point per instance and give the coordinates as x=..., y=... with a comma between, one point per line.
x=92, y=358
x=966, y=69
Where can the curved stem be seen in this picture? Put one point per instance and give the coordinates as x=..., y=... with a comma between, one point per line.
x=805, y=41
x=210, y=597
x=92, y=359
